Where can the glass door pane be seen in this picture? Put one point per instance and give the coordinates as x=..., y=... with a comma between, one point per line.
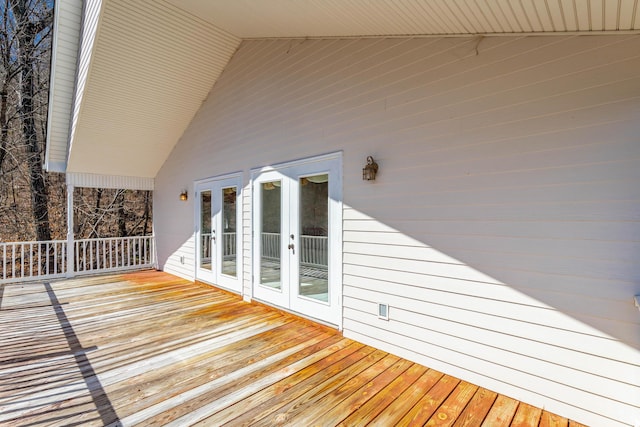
x=205, y=231
x=271, y=229
x=229, y=231
x=218, y=245
x=314, y=237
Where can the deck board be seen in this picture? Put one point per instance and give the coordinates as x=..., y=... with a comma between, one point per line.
x=148, y=348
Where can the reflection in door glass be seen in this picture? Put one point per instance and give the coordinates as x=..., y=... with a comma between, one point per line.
x=270, y=238
x=229, y=240
x=314, y=237
x=205, y=230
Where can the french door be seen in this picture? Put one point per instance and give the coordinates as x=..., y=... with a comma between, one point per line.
x=298, y=228
x=218, y=228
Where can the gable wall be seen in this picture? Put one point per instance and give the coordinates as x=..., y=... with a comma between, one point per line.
x=503, y=227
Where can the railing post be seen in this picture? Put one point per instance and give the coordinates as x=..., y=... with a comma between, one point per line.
x=70, y=242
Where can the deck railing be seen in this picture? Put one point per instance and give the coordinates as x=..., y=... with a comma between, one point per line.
x=31, y=260
x=313, y=249
x=113, y=254
x=270, y=246
x=228, y=245
x=22, y=261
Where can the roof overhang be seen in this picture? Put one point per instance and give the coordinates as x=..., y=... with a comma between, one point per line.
x=129, y=75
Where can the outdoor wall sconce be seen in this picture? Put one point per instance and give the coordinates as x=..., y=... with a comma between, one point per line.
x=184, y=196
x=370, y=170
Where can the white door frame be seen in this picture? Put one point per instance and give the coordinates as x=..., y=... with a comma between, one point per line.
x=215, y=276
x=287, y=297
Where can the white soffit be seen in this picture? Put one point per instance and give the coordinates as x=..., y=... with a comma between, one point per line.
x=90, y=180
x=153, y=62
x=340, y=18
x=152, y=65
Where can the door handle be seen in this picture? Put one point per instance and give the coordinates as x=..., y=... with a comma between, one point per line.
x=292, y=247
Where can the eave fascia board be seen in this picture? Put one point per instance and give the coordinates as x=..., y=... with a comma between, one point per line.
x=67, y=18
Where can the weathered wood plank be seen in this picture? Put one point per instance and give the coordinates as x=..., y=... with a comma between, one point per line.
x=170, y=352
x=353, y=402
x=291, y=389
x=502, y=412
x=449, y=411
x=240, y=412
x=378, y=403
x=161, y=385
x=552, y=420
x=477, y=409
x=317, y=414
x=322, y=384
x=405, y=401
x=526, y=416
x=200, y=402
x=424, y=409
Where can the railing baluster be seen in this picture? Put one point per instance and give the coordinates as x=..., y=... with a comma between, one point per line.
x=55, y=258
x=21, y=272
x=21, y=261
x=46, y=258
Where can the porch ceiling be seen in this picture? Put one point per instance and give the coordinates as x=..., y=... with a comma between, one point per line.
x=144, y=67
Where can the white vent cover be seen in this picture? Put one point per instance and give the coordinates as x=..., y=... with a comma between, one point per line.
x=383, y=311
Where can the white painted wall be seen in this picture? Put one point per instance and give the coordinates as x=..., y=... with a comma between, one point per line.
x=503, y=227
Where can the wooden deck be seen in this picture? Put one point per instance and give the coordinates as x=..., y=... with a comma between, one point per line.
x=151, y=349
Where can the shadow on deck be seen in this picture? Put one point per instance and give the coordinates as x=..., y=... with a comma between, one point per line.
x=151, y=349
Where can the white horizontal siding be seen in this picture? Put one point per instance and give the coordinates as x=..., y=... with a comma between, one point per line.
x=181, y=262
x=503, y=226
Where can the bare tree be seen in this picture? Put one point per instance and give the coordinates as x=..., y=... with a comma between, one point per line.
x=32, y=202
x=33, y=26
x=24, y=56
x=102, y=212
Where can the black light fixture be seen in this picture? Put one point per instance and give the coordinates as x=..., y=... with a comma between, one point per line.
x=184, y=195
x=370, y=170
